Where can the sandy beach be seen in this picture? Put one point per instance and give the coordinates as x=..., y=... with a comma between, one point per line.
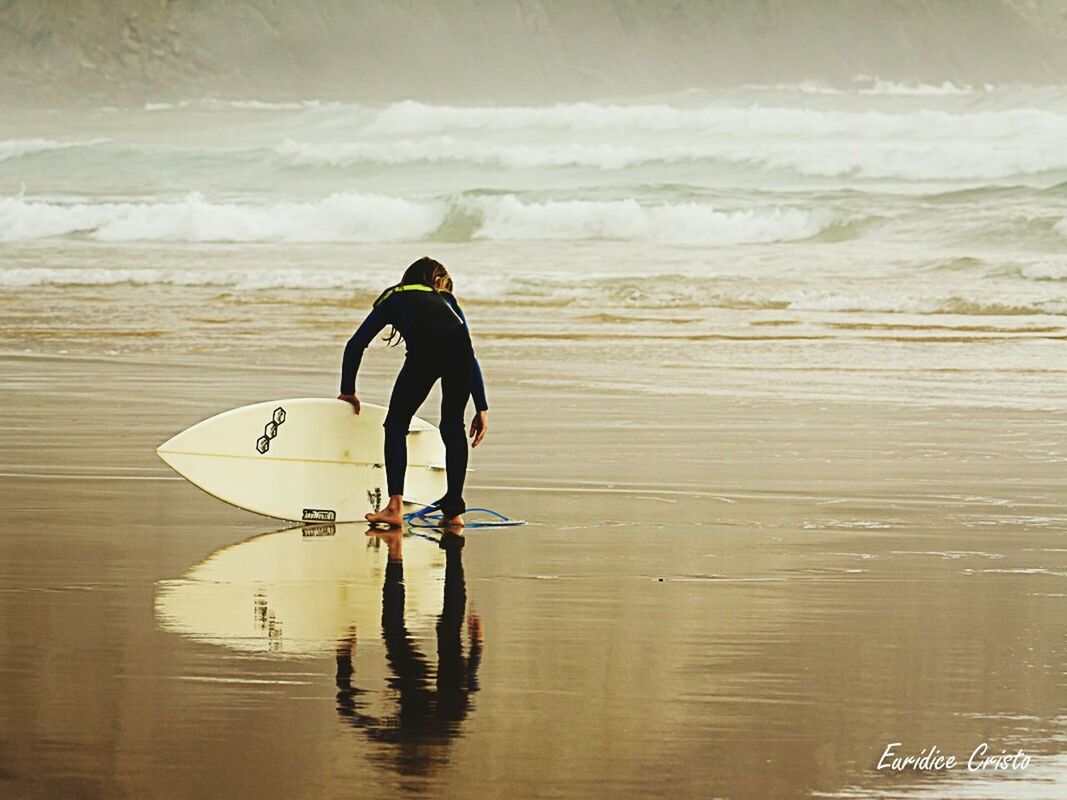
x=737, y=596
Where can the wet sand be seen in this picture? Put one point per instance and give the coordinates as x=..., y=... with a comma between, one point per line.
x=739, y=597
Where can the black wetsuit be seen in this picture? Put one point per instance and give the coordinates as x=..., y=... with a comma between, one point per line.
x=438, y=346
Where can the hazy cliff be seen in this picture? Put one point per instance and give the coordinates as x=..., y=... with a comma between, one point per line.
x=507, y=50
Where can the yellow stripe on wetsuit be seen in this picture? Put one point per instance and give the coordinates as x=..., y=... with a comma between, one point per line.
x=404, y=287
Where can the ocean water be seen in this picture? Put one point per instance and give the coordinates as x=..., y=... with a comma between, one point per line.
x=776, y=373
x=915, y=227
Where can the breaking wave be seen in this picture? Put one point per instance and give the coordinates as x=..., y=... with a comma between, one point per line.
x=507, y=218
x=378, y=218
x=339, y=217
x=874, y=87
x=16, y=148
x=1045, y=271
x=888, y=158
x=210, y=103
x=410, y=117
x=868, y=85
x=729, y=139
x=923, y=144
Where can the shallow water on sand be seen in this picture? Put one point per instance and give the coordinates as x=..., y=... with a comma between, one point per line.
x=746, y=599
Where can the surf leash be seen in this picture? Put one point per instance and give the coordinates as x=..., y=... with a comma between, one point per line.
x=431, y=516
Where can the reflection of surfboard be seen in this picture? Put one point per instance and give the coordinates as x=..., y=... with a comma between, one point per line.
x=298, y=591
x=306, y=459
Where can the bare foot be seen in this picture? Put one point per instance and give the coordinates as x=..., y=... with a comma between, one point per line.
x=387, y=516
x=392, y=515
x=451, y=522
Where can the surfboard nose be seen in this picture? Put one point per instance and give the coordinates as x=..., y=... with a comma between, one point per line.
x=167, y=445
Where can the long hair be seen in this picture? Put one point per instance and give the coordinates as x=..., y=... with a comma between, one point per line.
x=427, y=272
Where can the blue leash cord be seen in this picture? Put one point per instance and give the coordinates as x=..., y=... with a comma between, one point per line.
x=430, y=516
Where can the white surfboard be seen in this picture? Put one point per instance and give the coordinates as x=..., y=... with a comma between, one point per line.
x=299, y=591
x=307, y=459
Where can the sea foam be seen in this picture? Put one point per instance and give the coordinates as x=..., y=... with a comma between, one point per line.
x=869, y=85
x=878, y=158
x=336, y=218
x=916, y=144
x=411, y=117
x=514, y=156
x=1045, y=271
x=506, y=218
x=876, y=141
x=380, y=218
x=267, y=278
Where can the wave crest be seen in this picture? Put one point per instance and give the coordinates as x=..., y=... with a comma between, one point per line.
x=380, y=218
x=923, y=144
x=17, y=148
x=1045, y=271
x=507, y=218
x=338, y=217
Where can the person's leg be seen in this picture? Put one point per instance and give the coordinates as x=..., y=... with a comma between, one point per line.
x=412, y=385
x=455, y=392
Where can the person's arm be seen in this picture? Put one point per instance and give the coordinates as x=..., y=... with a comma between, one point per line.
x=478, y=386
x=477, y=382
x=371, y=327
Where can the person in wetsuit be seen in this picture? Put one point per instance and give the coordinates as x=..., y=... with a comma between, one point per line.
x=424, y=313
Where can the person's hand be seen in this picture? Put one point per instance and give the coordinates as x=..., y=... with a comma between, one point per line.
x=350, y=398
x=479, y=425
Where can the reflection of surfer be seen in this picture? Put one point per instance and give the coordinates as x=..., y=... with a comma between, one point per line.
x=429, y=709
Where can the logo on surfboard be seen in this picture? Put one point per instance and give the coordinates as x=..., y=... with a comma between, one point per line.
x=270, y=430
